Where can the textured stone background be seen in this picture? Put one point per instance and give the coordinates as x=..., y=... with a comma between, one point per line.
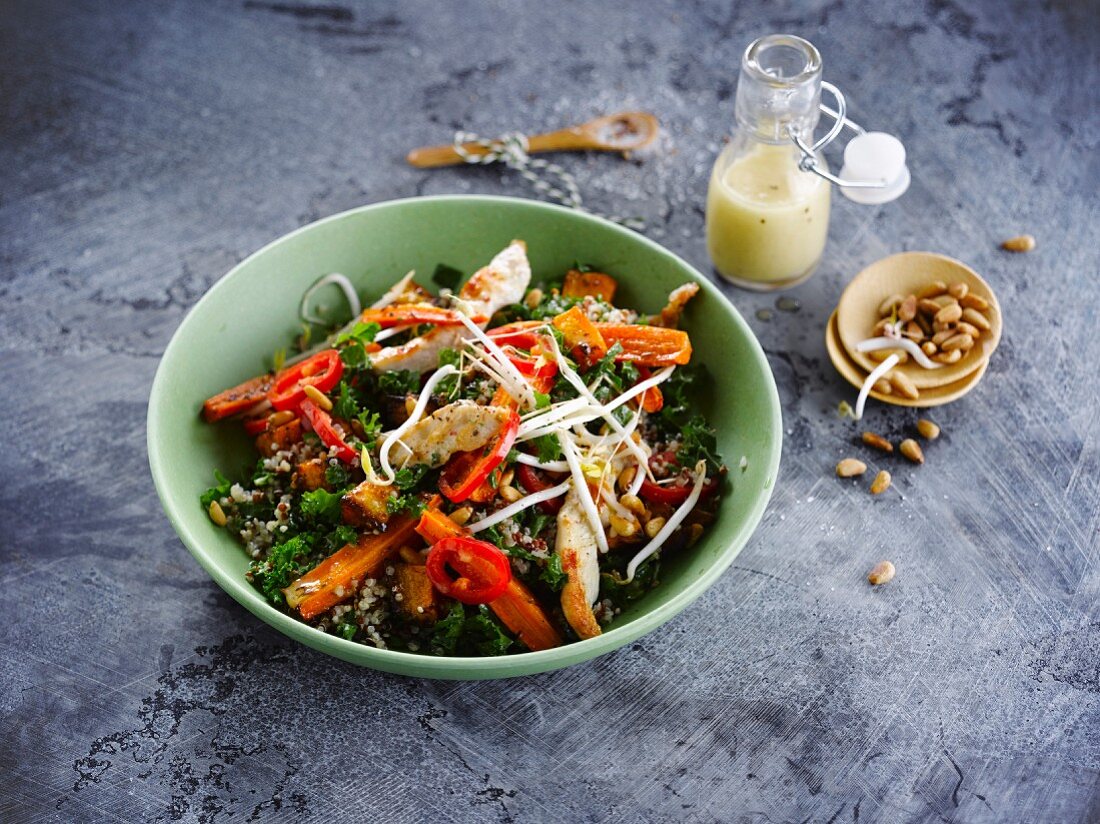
x=147, y=147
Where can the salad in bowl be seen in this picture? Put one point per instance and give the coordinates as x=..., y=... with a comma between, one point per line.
x=495, y=469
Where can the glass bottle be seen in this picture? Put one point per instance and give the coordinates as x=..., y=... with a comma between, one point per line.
x=767, y=220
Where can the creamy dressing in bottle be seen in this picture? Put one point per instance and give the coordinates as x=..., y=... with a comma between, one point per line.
x=767, y=219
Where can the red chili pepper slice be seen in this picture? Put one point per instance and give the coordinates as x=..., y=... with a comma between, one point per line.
x=322, y=371
x=672, y=494
x=455, y=472
x=255, y=426
x=532, y=366
x=321, y=422
x=484, y=571
x=460, y=484
x=520, y=333
x=532, y=482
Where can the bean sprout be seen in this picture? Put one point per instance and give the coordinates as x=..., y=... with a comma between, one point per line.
x=672, y=523
x=336, y=279
x=875, y=344
x=876, y=373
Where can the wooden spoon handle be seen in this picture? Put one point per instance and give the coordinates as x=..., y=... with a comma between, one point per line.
x=573, y=138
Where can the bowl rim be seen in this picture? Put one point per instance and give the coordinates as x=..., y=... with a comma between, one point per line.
x=397, y=661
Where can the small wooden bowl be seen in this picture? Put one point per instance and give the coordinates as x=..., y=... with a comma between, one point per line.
x=904, y=274
x=856, y=375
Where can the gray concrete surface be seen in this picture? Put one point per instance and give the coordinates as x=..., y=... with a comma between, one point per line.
x=147, y=147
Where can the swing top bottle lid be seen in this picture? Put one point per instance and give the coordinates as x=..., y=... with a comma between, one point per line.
x=875, y=157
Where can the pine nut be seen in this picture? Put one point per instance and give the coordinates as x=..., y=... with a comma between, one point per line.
x=941, y=336
x=911, y=450
x=904, y=385
x=653, y=526
x=633, y=503
x=462, y=515
x=908, y=309
x=1023, y=243
x=949, y=314
x=217, y=514
x=533, y=299
x=881, y=483
x=964, y=328
x=973, y=301
x=694, y=534
x=964, y=342
x=626, y=477
x=958, y=290
x=883, y=387
x=972, y=316
x=944, y=300
x=850, y=467
x=880, y=328
x=929, y=307
x=883, y=573
x=877, y=442
x=879, y=355
x=936, y=287
x=928, y=429
x=929, y=348
x=318, y=397
x=507, y=478
x=886, y=308
x=510, y=494
x=954, y=356
x=410, y=404
x=913, y=331
x=280, y=418
x=623, y=527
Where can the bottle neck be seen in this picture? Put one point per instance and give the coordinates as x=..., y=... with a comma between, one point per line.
x=779, y=89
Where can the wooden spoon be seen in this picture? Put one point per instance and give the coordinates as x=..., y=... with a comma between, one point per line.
x=624, y=132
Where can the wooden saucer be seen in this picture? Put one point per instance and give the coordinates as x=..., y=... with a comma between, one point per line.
x=856, y=375
x=904, y=274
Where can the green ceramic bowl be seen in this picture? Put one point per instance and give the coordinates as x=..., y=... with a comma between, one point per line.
x=231, y=332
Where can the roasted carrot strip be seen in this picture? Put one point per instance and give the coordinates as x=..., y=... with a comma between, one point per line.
x=237, y=399
x=335, y=579
x=578, y=284
x=516, y=608
x=582, y=337
x=648, y=345
x=652, y=400
x=408, y=314
x=435, y=525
